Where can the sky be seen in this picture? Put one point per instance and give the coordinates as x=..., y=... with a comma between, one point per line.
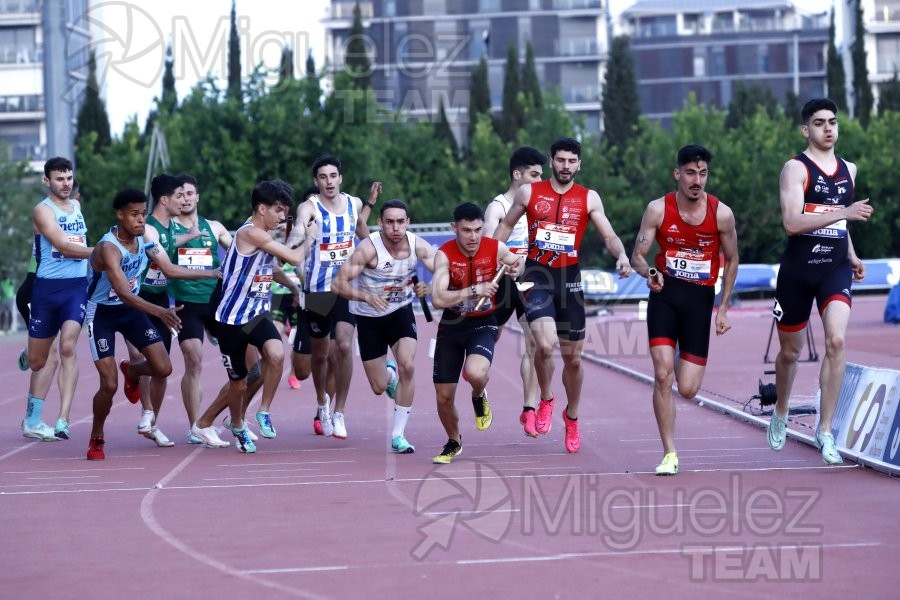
x=131, y=38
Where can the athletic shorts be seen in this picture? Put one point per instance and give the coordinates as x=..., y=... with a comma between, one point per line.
x=23, y=296
x=55, y=301
x=507, y=300
x=681, y=314
x=557, y=294
x=133, y=324
x=798, y=285
x=283, y=309
x=234, y=339
x=161, y=300
x=302, y=339
x=195, y=317
x=324, y=311
x=377, y=334
x=459, y=339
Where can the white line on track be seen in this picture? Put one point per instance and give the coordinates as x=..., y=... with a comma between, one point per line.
x=275, y=464
x=276, y=477
x=75, y=470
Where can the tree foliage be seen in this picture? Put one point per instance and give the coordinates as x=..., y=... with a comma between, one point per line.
x=513, y=116
x=357, y=61
x=621, y=103
x=92, y=116
x=531, y=85
x=20, y=190
x=835, y=78
x=234, y=58
x=747, y=99
x=862, y=89
x=479, y=95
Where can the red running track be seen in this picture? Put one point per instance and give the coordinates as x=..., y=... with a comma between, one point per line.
x=314, y=517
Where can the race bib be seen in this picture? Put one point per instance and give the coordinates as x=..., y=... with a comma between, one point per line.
x=552, y=237
x=261, y=286
x=397, y=293
x=154, y=277
x=835, y=230
x=78, y=240
x=519, y=250
x=195, y=258
x=693, y=266
x=334, y=254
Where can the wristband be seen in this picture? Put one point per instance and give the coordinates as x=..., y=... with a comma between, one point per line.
x=369, y=204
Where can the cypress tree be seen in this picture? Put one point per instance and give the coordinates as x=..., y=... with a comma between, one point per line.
x=479, y=96
x=92, y=115
x=862, y=90
x=357, y=62
x=442, y=130
x=621, y=103
x=513, y=117
x=234, y=58
x=286, y=67
x=531, y=85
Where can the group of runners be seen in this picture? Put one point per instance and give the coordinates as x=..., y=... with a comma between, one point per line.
x=153, y=278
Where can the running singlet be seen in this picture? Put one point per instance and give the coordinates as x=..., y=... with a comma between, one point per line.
x=824, y=193
x=51, y=264
x=246, y=284
x=689, y=252
x=390, y=278
x=201, y=253
x=153, y=280
x=467, y=271
x=556, y=224
x=100, y=290
x=518, y=237
x=332, y=246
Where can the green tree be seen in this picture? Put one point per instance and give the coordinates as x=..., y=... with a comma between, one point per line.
x=835, y=78
x=356, y=60
x=512, y=117
x=234, y=58
x=443, y=132
x=531, y=85
x=20, y=190
x=92, y=116
x=862, y=89
x=621, y=103
x=479, y=95
x=286, y=67
x=792, y=107
x=310, y=64
x=168, y=99
x=889, y=95
x=746, y=100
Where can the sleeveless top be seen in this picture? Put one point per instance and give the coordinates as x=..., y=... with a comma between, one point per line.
x=153, y=280
x=466, y=271
x=391, y=278
x=332, y=246
x=246, y=284
x=201, y=253
x=556, y=224
x=100, y=290
x=518, y=237
x=689, y=252
x=51, y=264
x=824, y=192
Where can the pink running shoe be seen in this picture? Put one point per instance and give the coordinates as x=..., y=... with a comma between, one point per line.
x=542, y=421
x=293, y=382
x=527, y=419
x=573, y=438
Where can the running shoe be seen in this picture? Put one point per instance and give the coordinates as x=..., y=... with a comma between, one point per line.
x=146, y=422
x=483, y=415
x=293, y=382
x=401, y=446
x=572, y=437
x=394, y=379
x=95, y=449
x=227, y=423
x=542, y=421
x=159, y=437
x=41, y=431
x=325, y=419
x=266, y=429
x=339, y=429
x=776, y=433
x=669, y=465
x=451, y=450
x=242, y=440
x=209, y=436
x=830, y=454
x=132, y=387
x=23, y=360
x=317, y=425
x=193, y=439
x=61, y=431
x=527, y=419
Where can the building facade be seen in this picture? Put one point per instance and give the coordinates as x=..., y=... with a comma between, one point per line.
x=43, y=66
x=706, y=47
x=424, y=51
x=881, y=20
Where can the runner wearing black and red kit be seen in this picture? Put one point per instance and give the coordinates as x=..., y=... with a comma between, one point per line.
x=558, y=212
x=464, y=268
x=816, y=193
x=693, y=229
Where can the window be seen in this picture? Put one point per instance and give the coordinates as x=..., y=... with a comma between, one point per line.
x=888, y=52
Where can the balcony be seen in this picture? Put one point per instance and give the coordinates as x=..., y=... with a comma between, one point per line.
x=576, y=47
x=19, y=7
x=21, y=103
x=344, y=10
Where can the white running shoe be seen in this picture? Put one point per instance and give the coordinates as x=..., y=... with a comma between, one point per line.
x=41, y=431
x=325, y=420
x=209, y=436
x=340, y=429
x=776, y=434
x=830, y=454
x=159, y=437
x=145, y=425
